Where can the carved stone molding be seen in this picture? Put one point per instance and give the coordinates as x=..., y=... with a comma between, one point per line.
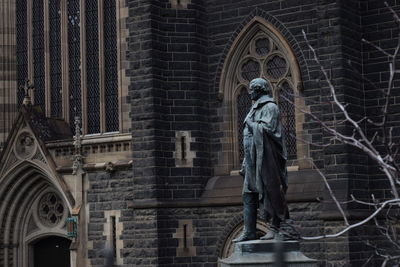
x=25, y=145
x=51, y=210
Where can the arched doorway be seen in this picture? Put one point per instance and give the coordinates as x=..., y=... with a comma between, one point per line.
x=51, y=251
x=32, y=208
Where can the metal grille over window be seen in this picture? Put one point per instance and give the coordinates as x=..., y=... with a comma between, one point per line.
x=51, y=209
x=243, y=107
x=55, y=58
x=250, y=70
x=21, y=46
x=38, y=53
x=74, y=61
x=276, y=67
x=92, y=68
x=110, y=64
x=286, y=100
x=262, y=46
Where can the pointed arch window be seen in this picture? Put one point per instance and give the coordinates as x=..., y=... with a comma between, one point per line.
x=260, y=51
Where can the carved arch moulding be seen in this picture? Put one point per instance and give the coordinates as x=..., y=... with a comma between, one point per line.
x=260, y=50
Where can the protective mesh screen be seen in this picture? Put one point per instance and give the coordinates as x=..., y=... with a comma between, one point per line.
x=243, y=107
x=276, y=67
x=110, y=64
x=262, y=46
x=288, y=119
x=92, y=67
x=21, y=49
x=250, y=70
x=55, y=58
x=38, y=52
x=74, y=61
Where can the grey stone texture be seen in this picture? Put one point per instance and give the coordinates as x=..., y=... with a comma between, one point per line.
x=175, y=60
x=258, y=253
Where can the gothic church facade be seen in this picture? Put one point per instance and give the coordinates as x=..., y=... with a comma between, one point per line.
x=127, y=137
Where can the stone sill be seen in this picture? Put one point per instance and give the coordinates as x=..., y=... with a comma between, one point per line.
x=93, y=139
x=304, y=186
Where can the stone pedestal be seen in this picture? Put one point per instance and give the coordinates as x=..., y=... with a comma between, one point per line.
x=257, y=253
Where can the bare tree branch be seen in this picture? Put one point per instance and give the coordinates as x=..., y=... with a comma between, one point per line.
x=382, y=148
x=369, y=259
x=331, y=193
x=311, y=143
x=363, y=143
x=377, y=48
x=352, y=226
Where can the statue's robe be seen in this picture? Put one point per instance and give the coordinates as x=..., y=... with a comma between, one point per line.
x=264, y=164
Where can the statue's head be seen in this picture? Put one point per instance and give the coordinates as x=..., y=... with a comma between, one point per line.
x=259, y=87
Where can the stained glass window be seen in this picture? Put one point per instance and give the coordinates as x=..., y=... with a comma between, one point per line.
x=92, y=67
x=74, y=60
x=38, y=53
x=286, y=107
x=110, y=64
x=55, y=58
x=21, y=49
x=243, y=107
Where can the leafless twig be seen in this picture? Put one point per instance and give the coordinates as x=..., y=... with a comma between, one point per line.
x=382, y=205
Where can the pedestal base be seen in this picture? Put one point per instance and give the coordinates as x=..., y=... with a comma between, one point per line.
x=257, y=253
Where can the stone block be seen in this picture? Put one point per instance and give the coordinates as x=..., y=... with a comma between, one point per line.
x=257, y=253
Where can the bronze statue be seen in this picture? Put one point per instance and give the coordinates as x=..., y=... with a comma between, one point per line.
x=264, y=166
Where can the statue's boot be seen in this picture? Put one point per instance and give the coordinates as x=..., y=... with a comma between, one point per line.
x=273, y=232
x=270, y=235
x=249, y=217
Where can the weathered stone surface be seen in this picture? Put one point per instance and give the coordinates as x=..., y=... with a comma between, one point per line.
x=267, y=253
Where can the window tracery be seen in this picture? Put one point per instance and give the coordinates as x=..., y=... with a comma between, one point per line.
x=259, y=50
x=265, y=57
x=51, y=210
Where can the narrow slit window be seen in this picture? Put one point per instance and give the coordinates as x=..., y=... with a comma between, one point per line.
x=185, y=245
x=183, y=147
x=113, y=237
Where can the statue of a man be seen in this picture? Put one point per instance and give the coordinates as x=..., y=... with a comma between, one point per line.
x=264, y=165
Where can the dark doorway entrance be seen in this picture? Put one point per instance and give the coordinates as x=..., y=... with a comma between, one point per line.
x=52, y=251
